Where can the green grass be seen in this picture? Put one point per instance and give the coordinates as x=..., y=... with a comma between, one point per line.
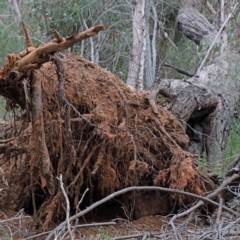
x=233, y=146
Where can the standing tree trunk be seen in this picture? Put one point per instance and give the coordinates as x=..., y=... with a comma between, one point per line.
x=151, y=53
x=137, y=58
x=14, y=5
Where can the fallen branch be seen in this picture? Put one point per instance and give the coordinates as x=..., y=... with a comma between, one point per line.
x=210, y=196
x=179, y=70
x=215, y=39
x=68, y=206
x=125, y=190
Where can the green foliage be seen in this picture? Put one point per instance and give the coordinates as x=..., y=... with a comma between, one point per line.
x=9, y=37
x=105, y=237
x=218, y=170
x=203, y=163
x=233, y=148
x=2, y=108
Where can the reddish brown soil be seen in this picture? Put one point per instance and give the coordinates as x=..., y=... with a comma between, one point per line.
x=105, y=137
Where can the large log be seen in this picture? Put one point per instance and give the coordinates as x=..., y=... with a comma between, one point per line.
x=194, y=25
x=206, y=102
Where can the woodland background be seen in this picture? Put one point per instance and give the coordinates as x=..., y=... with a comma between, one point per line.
x=111, y=49
x=145, y=45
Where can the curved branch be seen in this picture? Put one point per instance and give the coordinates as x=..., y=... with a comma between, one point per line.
x=125, y=190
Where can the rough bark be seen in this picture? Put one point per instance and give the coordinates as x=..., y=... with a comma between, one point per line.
x=194, y=25
x=206, y=102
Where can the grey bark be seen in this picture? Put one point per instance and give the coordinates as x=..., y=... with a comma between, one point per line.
x=149, y=70
x=151, y=53
x=138, y=43
x=145, y=8
x=154, y=51
x=194, y=25
x=14, y=5
x=205, y=103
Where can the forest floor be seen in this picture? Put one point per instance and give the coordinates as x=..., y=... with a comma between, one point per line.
x=21, y=226
x=18, y=226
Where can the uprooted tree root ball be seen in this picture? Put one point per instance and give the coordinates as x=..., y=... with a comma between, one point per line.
x=100, y=134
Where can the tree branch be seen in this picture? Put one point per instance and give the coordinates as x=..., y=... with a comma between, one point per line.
x=43, y=53
x=125, y=190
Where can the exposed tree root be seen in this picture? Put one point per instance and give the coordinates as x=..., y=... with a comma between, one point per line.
x=102, y=135
x=84, y=123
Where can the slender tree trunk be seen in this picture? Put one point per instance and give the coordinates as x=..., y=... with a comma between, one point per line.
x=149, y=70
x=143, y=53
x=14, y=5
x=138, y=43
x=154, y=51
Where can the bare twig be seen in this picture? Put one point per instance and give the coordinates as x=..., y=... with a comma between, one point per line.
x=215, y=39
x=210, y=8
x=174, y=230
x=77, y=207
x=219, y=211
x=128, y=236
x=7, y=140
x=179, y=70
x=210, y=196
x=68, y=207
x=57, y=35
x=218, y=222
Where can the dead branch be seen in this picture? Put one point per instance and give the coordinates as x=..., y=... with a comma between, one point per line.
x=77, y=207
x=136, y=236
x=28, y=39
x=39, y=135
x=68, y=207
x=7, y=140
x=215, y=39
x=233, y=167
x=125, y=190
x=44, y=52
x=210, y=196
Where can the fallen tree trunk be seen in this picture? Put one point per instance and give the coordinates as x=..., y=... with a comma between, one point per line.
x=204, y=103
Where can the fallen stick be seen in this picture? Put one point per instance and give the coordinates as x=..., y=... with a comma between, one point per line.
x=211, y=195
